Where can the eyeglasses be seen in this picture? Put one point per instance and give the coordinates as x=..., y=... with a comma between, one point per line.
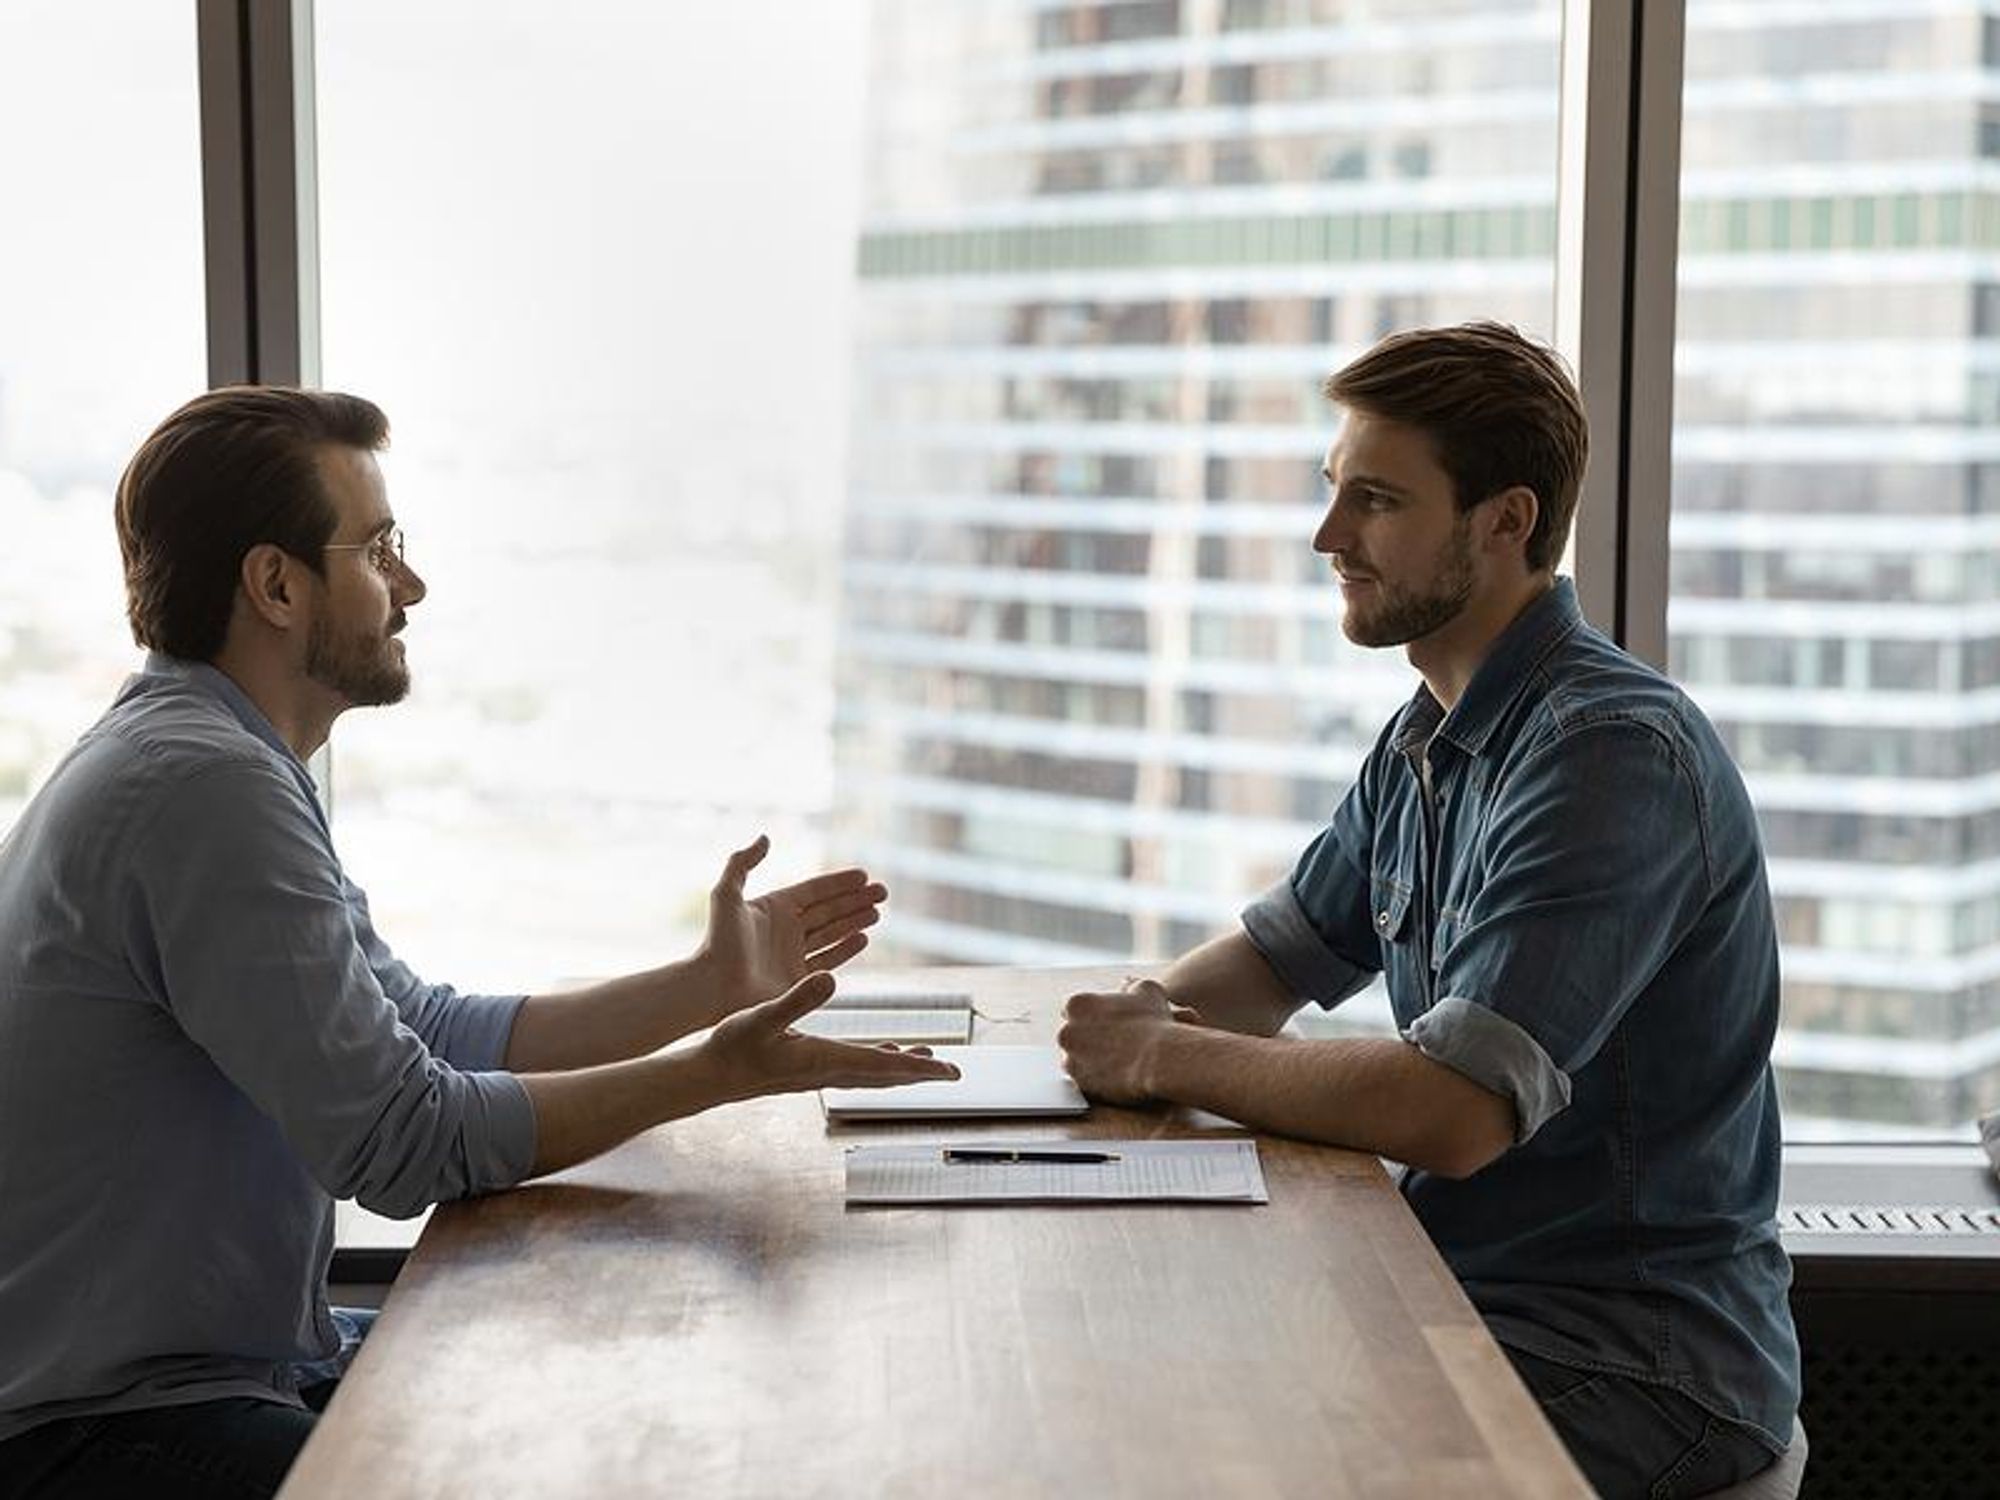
x=384, y=552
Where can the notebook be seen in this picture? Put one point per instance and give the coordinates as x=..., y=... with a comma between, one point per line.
x=994, y=1083
x=886, y=1015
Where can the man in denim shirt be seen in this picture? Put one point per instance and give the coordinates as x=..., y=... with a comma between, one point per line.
x=1552, y=860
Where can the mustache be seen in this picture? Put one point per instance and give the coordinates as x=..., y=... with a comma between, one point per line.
x=397, y=621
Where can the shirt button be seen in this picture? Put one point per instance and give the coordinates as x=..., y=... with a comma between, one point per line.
x=1382, y=920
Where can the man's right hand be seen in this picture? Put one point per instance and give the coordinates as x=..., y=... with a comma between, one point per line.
x=756, y=1052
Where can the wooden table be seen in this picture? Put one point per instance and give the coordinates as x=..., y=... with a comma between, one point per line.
x=699, y=1314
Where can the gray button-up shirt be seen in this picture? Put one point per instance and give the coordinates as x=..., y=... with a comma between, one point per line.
x=203, y=1043
x=1562, y=883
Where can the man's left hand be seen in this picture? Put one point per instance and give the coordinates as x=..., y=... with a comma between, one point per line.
x=760, y=948
x=1109, y=1040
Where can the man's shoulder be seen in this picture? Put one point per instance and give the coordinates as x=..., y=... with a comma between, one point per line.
x=175, y=724
x=1600, y=712
x=1587, y=682
x=162, y=742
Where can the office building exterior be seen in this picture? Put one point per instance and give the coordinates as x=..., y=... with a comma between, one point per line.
x=1093, y=689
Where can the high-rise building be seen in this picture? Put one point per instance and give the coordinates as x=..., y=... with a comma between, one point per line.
x=1835, y=527
x=1094, y=691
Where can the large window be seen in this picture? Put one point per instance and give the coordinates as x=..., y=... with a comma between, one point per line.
x=1834, y=536
x=1049, y=652
x=100, y=336
x=597, y=268
x=898, y=434
x=1093, y=688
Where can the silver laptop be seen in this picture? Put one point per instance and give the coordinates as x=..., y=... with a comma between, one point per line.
x=994, y=1083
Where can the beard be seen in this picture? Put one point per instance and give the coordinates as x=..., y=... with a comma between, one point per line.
x=365, y=669
x=1400, y=615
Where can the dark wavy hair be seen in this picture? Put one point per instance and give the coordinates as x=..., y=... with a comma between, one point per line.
x=231, y=469
x=1499, y=409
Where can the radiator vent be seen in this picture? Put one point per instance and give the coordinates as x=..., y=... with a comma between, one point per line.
x=1848, y=1218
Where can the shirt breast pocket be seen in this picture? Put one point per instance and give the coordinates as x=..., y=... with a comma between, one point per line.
x=1391, y=900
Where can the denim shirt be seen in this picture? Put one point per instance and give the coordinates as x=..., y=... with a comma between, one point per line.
x=1562, y=882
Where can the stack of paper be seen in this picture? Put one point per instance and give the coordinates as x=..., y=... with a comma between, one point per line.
x=884, y=1015
x=1224, y=1171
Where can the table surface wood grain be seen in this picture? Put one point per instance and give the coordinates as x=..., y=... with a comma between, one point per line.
x=698, y=1313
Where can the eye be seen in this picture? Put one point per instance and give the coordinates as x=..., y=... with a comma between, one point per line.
x=387, y=550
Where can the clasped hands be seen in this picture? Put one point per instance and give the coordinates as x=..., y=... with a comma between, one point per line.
x=1111, y=1040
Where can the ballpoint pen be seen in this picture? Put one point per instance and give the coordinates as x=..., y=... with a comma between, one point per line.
x=991, y=1154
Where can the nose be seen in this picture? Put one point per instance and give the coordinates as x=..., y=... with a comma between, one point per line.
x=409, y=586
x=1333, y=534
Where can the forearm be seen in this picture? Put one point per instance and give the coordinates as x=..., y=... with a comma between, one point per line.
x=1373, y=1094
x=613, y=1020
x=754, y=1052
x=1227, y=980
x=584, y=1113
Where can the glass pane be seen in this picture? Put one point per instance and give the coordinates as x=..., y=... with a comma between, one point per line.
x=1094, y=692
x=978, y=553
x=100, y=337
x=598, y=272
x=1836, y=532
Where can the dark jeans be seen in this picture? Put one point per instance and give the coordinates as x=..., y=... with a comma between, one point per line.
x=238, y=1448
x=1639, y=1440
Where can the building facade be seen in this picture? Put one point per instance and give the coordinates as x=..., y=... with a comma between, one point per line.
x=1093, y=688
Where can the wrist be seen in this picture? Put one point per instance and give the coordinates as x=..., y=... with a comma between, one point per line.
x=724, y=1077
x=697, y=980
x=1160, y=1060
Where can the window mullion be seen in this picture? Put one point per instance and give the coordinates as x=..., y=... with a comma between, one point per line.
x=259, y=191
x=1617, y=216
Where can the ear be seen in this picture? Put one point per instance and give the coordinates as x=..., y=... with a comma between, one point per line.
x=1511, y=515
x=270, y=585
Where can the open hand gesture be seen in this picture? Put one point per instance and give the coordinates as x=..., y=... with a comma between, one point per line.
x=760, y=948
x=758, y=1052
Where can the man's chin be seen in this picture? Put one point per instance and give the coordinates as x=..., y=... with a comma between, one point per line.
x=377, y=690
x=391, y=687
x=1364, y=630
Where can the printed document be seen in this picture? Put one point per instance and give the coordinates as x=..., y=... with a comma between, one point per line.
x=1225, y=1171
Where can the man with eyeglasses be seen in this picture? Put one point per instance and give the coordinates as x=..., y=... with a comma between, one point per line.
x=204, y=1041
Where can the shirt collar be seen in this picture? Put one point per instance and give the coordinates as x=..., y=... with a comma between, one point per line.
x=213, y=682
x=1499, y=680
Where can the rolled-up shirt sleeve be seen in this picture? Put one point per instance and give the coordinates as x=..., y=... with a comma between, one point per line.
x=1493, y=1052
x=1279, y=929
x=240, y=924
x=1597, y=857
x=1314, y=928
x=467, y=1031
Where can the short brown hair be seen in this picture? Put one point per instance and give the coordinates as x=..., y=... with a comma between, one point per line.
x=231, y=469
x=1500, y=410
